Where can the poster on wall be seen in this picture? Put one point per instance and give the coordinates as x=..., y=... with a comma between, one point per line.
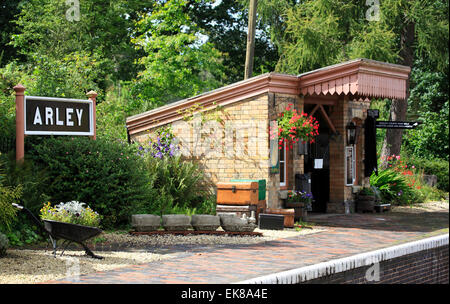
x=58, y=116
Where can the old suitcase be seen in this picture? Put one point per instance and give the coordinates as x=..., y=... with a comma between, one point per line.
x=238, y=193
x=288, y=215
x=271, y=221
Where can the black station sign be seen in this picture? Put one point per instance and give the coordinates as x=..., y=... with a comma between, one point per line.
x=397, y=124
x=58, y=116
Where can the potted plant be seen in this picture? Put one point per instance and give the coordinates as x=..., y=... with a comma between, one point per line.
x=365, y=200
x=300, y=201
x=294, y=126
x=71, y=212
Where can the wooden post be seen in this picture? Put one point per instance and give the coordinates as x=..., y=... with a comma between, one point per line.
x=93, y=96
x=249, y=57
x=20, y=123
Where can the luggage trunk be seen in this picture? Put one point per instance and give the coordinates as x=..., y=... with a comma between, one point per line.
x=238, y=193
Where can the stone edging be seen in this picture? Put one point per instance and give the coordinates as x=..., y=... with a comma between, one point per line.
x=307, y=273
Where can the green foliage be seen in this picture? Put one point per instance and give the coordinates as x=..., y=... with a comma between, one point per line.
x=8, y=196
x=429, y=103
x=10, y=75
x=394, y=188
x=23, y=232
x=180, y=187
x=70, y=76
x=321, y=33
x=4, y=243
x=112, y=113
x=178, y=62
x=103, y=29
x=366, y=191
x=225, y=23
x=438, y=167
x=109, y=175
x=318, y=33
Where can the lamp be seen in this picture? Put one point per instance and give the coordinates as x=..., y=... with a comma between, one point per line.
x=352, y=133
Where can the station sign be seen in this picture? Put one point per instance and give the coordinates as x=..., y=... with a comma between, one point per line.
x=58, y=116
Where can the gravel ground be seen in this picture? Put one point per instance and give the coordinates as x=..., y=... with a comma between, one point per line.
x=33, y=266
x=168, y=240
x=437, y=206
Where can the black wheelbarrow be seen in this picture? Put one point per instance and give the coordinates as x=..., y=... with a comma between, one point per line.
x=70, y=233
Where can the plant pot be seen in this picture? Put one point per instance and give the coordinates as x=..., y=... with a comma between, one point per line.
x=176, y=222
x=300, y=210
x=236, y=224
x=145, y=222
x=205, y=222
x=365, y=203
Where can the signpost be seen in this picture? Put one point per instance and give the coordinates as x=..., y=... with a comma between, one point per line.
x=52, y=116
x=397, y=124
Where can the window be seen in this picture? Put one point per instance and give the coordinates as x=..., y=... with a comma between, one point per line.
x=283, y=167
x=350, y=166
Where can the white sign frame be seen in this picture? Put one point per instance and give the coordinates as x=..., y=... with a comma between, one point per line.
x=91, y=116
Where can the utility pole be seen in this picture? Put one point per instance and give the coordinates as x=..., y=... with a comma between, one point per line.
x=249, y=57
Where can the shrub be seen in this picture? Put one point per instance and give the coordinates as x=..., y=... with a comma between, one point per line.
x=3, y=244
x=179, y=186
x=108, y=175
x=8, y=196
x=394, y=187
x=438, y=167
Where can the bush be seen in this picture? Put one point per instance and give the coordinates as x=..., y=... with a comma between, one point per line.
x=394, y=188
x=402, y=181
x=108, y=175
x=8, y=196
x=438, y=167
x=179, y=187
x=3, y=244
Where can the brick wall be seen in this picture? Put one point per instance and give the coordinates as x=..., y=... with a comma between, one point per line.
x=424, y=261
x=295, y=164
x=229, y=142
x=423, y=267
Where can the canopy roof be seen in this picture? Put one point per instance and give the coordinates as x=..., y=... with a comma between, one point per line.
x=360, y=77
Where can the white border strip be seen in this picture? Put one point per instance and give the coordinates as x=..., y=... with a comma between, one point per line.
x=307, y=273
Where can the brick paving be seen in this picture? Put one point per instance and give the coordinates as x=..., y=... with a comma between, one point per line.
x=345, y=235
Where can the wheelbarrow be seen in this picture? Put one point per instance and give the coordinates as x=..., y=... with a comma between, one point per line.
x=70, y=233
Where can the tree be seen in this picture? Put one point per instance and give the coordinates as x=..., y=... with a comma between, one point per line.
x=323, y=32
x=8, y=10
x=45, y=35
x=179, y=60
x=225, y=24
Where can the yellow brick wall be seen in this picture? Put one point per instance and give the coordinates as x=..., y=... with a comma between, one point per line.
x=229, y=143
